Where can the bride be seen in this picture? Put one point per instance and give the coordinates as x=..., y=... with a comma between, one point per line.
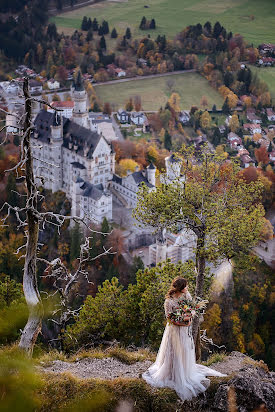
x=175, y=366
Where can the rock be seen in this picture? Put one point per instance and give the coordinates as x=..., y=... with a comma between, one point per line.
x=253, y=387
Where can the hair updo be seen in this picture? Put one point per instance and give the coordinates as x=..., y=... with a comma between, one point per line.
x=177, y=285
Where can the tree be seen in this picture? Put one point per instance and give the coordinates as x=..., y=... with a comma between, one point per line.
x=89, y=36
x=114, y=34
x=214, y=108
x=137, y=103
x=205, y=120
x=261, y=155
x=174, y=102
x=234, y=123
x=84, y=24
x=232, y=100
x=129, y=105
x=167, y=140
x=128, y=34
x=102, y=43
x=95, y=25
x=126, y=165
x=107, y=108
x=76, y=241
x=225, y=107
x=270, y=148
x=12, y=197
x=204, y=102
x=211, y=200
x=143, y=22
x=152, y=25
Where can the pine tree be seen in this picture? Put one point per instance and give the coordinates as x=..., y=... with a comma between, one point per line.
x=143, y=22
x=128, y=34
x=105, y=27
x=12, y=197
x=214, y=108
x=89, y=23
x=76, y=240
x=114, y=34
x=101, y=31
x=95, y=25
x=270, y=148
x=167, y=140
x=89, y=36
x=152, y=24
x=84, y=24
x=225, y=107
x=102, y=43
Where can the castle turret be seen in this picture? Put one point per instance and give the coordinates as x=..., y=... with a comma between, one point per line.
x=57, y=127
x=173, y=166
x=56, y=154
x=151, y=174
x=80, y=111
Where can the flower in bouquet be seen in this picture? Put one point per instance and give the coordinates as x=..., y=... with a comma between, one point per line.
x=186, y=310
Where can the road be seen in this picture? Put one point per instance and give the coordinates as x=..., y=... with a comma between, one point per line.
x=150, y=76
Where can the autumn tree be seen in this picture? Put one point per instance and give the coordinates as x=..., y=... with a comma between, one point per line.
x=107, y=108
x=137, y=103
x=205, y=120
x=129, y=105
x=261, y=155
x=234, y=124
x=126, y=165
x=211, y=200
x=174, y=102
x=204, y=102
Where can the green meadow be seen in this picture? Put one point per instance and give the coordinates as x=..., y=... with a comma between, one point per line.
x=154, y=92
x=267, y=74
x=254, y=19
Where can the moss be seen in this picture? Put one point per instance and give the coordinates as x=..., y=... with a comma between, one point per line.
x=256, y=364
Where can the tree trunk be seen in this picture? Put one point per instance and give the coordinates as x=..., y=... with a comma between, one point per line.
x=32, y=296
x=200, y=264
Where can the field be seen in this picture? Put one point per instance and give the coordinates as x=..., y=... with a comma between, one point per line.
x=254, y=19
x=267, y=74
x=154, y=92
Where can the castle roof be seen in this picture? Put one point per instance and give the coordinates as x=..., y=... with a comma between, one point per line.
x=72, y=132
x=151, y=166
x=140, y=178
x=93, y=191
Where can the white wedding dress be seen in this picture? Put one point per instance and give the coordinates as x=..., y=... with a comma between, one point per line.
x=175, y=366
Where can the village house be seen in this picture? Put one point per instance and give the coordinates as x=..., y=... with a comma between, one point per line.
x=252, y=117
x=252, y=127
x=66, y=108
x=120, y=72
x=138, y=118
x=184, y=117
x=270, y=114
x=123, y=116
x=102, y=124
x=246, y=161
x=53, y=84
x=35, y=87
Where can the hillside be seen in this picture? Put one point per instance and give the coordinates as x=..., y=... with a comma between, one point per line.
x=253, y=19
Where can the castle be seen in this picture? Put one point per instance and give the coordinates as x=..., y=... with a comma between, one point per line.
x=70, y=155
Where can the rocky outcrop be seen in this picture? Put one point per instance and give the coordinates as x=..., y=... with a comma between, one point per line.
x=250, y=386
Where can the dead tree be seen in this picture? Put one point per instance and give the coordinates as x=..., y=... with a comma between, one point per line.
x=32, y=221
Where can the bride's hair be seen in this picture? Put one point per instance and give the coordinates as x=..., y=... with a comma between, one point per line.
x=177, y=285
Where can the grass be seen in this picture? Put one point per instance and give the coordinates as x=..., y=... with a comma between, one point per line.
x=154, y=92
x=266, y=74
x=122, y=354
x=253, y=19
x=214, y=358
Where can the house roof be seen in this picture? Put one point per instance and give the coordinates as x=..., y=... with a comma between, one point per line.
x=140, y=178
x=72, y=132
x=78, y=165
x=63, y=104
x=93, y=191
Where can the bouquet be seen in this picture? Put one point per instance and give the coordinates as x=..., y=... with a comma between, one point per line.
x=186, y=310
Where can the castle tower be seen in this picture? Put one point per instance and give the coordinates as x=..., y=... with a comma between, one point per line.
x=151, y=174
x=80, y=111
x=161, y=252
x=56, y=143
x=173, y=166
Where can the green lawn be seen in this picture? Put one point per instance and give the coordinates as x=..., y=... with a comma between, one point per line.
x=267, y=74
x=154, y=92
x=254, y=19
